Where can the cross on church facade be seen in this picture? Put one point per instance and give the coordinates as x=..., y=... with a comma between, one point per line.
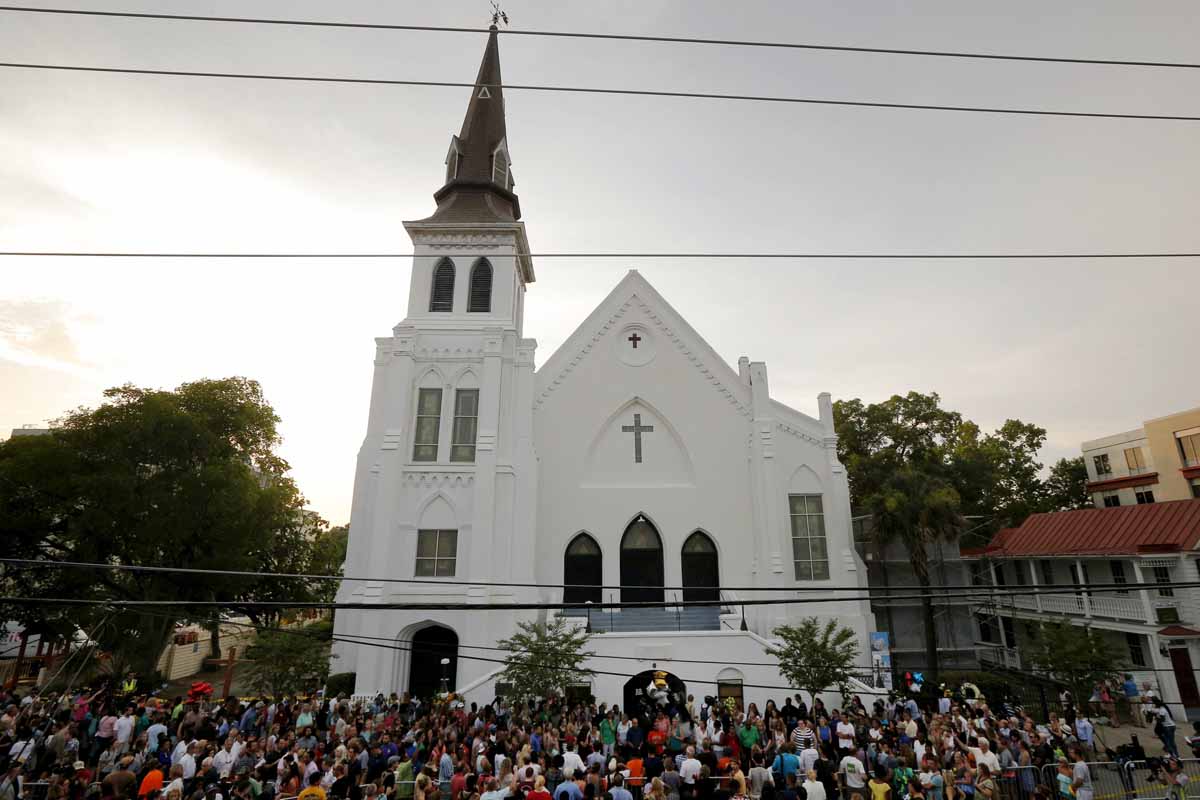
x=637, y=429
x=633, y=337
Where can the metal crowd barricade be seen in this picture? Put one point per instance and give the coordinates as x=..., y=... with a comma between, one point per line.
x=1135, y=780
x=1018, y=783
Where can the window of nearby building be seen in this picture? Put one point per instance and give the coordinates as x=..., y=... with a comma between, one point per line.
x=1118, y=574
x=987, y=631
x=1111, y=499
x=1019, y=568
x=429, y=421
x=730, y=689
x=1135, y=460
x=1077, y=578
x=1001, y=580
x=1189, y=449
x=466, y=422
x=809, y=549
x=1144, y=496
x=1046, y=567
x=1195, y=487
x=1010, y=635
x=436, y=553
x=1137, y=655
x=1163, y=575
x=978, y=573
x=1102, y=465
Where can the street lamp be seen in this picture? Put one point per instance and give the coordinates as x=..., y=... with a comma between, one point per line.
x=445, y=677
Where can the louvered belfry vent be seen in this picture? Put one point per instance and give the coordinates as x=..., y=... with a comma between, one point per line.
x=481, y=287
x=441, y=298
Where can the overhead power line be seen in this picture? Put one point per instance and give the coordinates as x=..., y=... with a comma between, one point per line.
x=596, y=90
x=880, y=593
x=607, y=36
x=426, y=605
x=665, y=255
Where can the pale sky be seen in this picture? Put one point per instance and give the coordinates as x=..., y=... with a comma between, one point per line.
x=1084, y=349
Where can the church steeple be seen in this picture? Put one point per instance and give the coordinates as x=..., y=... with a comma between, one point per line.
x=479, y=180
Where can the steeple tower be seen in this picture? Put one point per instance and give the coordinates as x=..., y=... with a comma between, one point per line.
x=479, y=182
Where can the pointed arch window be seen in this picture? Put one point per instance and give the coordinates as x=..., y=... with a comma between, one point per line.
x=480, y=299
x=583, y=567
x=441, y=295
x=701, y=574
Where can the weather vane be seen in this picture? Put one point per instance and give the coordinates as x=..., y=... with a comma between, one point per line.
x=498, y=15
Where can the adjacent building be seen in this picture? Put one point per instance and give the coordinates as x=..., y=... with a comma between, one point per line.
x=1156, y=631
x=1156, y=462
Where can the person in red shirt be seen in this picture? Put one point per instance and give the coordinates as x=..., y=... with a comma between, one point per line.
x=539, y=789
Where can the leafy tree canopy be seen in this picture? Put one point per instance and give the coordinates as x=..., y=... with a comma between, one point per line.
x=183, y=478
x=815, y=657
x=1078, y=656
x=290, y=660
x=544, y=658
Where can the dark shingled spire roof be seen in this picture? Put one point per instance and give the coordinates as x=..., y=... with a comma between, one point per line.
x=472, y=195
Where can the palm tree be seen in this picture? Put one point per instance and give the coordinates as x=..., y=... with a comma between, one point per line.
x=918, y=511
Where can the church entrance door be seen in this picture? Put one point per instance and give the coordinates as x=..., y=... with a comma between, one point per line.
x=429, y=646
x=641, y=563
x=701, y=578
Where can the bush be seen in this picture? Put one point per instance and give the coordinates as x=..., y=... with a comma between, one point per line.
x=340, y=683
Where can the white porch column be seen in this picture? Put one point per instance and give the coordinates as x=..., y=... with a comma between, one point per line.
x=1147, y=606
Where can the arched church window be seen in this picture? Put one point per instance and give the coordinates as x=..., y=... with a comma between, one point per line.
x=583, y=570
x=701, y=576
x=480, y=299
x=441, y=295
x=641, y=563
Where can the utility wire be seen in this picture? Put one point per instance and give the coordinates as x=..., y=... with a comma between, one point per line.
x=885, y=592
x=476, y=607
x=596, y=90
x=606, y=36
x=671, y=255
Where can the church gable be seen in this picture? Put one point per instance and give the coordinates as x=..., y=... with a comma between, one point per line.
x=633, y=325
x=637, y=429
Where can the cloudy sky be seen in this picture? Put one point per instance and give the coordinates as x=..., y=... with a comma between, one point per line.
x=1087, y=348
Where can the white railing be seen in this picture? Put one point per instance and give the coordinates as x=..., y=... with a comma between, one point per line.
x=1062, y=603
x=1118, y=607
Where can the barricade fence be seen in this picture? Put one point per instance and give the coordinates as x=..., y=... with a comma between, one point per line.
x=1152, y=779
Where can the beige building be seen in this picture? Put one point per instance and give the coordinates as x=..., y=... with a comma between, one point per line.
x=1156, y=462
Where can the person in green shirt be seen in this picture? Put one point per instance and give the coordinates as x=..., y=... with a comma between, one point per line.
x=748, y=735
x=608, y=734
x=404, y=776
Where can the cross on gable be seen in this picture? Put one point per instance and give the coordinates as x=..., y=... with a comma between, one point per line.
x=633, y=337
x=637, y=429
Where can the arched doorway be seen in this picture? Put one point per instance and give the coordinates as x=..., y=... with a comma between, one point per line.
x=583, y=570
x=429, y=646
x=641, y=563
x=652, y=691
x=701, y=577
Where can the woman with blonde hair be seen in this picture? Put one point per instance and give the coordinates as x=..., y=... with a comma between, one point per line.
x=657, y=790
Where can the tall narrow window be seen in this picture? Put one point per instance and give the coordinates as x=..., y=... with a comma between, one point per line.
x=1189, y=449
x=480, y=299
x=437, y=552
x=1118, y=575
x=1135, y=461
x=809, y=549
x=1162, y=575
x=1046, y=567
x=429, y=420
x=452, y=165
x=1137, y=656
x=441, y=295
x=500, y=168
x=466, y=423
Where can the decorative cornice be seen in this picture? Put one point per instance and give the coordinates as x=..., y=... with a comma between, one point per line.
x=799, y=434
x=667, y=332
x=437, y=480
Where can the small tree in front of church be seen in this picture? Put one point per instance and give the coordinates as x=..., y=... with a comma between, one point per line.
x=544, y=658
x=814, y=657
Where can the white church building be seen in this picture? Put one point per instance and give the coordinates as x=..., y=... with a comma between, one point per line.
x=635, y=465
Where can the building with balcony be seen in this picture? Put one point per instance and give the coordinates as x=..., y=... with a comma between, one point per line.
x=1156, y=629
x=1158, y=461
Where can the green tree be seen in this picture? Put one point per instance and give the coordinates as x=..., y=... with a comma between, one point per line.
x=815, y=657
x=186, y=478
x=1066, y=486
x=328, y=557
x=920, y=512
x=290, y=660
x=544, y=658
x=1076, y=655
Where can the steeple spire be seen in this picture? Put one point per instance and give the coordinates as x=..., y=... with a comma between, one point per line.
x=479, y=179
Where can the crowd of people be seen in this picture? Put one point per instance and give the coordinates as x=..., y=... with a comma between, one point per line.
x=81, y=745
